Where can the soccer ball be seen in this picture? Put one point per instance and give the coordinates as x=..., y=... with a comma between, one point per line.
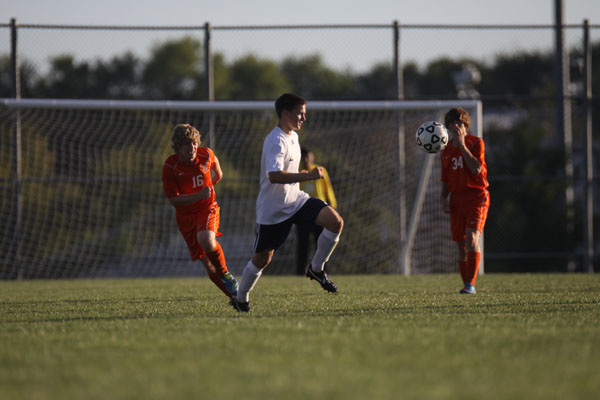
x=432, y=137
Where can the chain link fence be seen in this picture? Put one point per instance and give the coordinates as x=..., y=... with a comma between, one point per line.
x=358, y=49
x=350, y=47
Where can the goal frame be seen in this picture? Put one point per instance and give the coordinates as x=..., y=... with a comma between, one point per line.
x=408, y=218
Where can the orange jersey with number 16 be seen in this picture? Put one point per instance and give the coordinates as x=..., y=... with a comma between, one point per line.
x=180, y=178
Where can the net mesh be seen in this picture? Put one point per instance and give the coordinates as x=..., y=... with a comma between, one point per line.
x=88, y=201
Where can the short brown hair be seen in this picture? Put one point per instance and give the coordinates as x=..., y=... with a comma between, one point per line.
x=184, y=132
x=458, y=115
x=288, y=101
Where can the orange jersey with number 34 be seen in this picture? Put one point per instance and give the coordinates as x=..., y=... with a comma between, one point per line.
x=456, y=172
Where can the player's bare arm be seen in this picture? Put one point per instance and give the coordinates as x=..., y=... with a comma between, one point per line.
x=184, y=199
x=471, y=161
x=459, y=130
x=217, y=172
x=293, y=177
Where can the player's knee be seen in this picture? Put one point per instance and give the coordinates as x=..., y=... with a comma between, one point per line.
x=333, y=221
x=207, y=240
x=262, y=259
x=208, y=245
x=473, y=246
x=472, y=240
x=339, y=224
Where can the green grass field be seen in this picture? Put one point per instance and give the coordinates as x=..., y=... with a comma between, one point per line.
x=381, y=337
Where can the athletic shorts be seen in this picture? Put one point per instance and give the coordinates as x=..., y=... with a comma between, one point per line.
x=272, y=236
x=189, y=226
x=468, y=210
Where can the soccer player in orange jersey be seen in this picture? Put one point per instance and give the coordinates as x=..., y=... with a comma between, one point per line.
x=464, y=192
x=188, y=178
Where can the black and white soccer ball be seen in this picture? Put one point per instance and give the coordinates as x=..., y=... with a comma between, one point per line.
x=432, y=137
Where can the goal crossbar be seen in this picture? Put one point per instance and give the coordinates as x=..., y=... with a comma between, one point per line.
x=93, y=104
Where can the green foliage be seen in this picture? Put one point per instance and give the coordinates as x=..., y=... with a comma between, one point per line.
x=174, y=70
x=28, y=76
x=222, y=78
x=311, y=77
x=119, y=78
x=436, y=81
x=527, y=197
x=375, y=84
x=60, y=182
x=256, y=79
x=36, y=143
x=381, y=336
x=520, y=74
x=5, y=77
x=67, y=77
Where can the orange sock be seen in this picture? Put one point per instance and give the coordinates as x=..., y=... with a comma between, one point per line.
x=217, y=258
x=464, y=273
x=216, y=278
x=473, y=259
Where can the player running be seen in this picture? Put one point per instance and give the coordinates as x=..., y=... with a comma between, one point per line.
x=188, y=183
x=464, y=178
x=281, y=203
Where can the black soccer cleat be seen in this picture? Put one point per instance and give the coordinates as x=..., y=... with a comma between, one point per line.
x=322, y=278
x=239, y=306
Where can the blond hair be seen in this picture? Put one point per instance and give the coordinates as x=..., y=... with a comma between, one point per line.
x=182, y=133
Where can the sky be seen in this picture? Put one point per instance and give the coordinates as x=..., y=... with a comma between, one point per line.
x=262, y=12
x=337, y=46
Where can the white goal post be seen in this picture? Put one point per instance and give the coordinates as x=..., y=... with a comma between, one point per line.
x=84, y=197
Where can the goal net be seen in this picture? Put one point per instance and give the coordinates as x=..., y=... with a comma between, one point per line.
x=82, y=192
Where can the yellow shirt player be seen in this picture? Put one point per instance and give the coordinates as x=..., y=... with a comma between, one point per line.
x=321, y=189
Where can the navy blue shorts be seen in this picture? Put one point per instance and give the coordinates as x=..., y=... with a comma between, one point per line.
x=272, y=236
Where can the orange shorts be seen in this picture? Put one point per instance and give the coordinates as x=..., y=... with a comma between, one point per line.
x=190, y=225
x=468, y=210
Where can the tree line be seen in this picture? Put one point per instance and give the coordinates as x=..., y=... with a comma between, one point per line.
x=520, y=86
x=174, y=71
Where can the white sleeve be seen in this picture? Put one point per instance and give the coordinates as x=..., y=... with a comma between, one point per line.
x=276, y=156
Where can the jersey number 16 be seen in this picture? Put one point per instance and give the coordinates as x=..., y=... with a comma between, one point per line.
x=197, y=181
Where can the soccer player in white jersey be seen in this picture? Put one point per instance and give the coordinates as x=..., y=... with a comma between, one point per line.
x=281, y=203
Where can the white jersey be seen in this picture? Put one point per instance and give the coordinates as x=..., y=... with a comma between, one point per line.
x=277, y=202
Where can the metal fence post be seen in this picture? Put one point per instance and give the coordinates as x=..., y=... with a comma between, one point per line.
x=399, y=84
x=399, y=95
x=14, y=62
x=589, y=152
x=563, y=115
x=208, y=65
x=209, y=85
x=16, y=154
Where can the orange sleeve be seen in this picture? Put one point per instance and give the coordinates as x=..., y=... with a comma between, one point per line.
x=445, y=167
x=212, y=158
x=479, y=151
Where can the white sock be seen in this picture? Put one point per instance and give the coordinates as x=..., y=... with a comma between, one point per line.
x=250, y=276
x=325, y=246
